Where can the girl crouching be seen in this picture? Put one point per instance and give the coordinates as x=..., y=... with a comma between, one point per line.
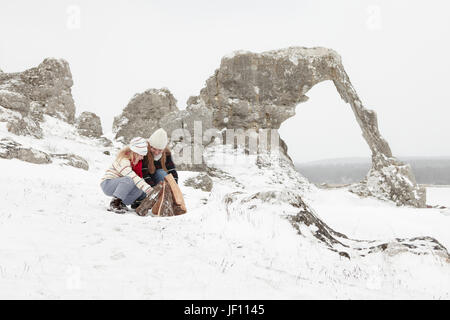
x=121, y=182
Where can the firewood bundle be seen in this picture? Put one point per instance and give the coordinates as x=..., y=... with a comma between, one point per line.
x=166, y=200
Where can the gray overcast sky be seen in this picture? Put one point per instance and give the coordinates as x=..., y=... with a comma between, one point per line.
x=395, y=52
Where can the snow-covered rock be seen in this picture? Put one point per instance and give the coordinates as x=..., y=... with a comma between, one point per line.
x=144, y=114
x=89, y=125
x=45, y=89
x=60, y=143
x=201, y=181
x=9, y=149
x=392, y=180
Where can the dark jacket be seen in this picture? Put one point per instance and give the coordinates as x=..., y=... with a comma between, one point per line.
x=150, y=178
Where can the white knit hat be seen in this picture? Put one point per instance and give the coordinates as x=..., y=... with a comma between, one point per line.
x=158, y=139
x=139, y=145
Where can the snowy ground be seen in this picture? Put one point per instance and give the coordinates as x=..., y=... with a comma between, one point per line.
x=58, y=241
x=372, y=219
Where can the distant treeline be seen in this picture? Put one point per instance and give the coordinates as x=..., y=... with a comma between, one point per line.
x=350, y=170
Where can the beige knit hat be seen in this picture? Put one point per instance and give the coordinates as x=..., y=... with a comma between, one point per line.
x=138, y=145
x=158, y=139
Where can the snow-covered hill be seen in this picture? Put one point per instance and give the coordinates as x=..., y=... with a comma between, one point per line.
x=236, y=242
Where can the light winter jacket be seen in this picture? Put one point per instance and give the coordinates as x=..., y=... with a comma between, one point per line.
x=123, y=168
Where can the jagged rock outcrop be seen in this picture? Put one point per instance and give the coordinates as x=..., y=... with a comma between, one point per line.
x=10, y=149
x=145, y=113
x=45, y=89
x=261, y=90
x=89, y=125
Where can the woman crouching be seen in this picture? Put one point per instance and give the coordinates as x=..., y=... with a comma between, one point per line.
x=120, y=180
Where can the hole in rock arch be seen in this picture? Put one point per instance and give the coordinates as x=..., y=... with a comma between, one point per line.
x=324, y=139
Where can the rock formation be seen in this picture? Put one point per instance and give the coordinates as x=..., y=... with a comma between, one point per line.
x=349, y=248
x=10, y=149
x=89, y=125
x=145, y=113
x=201, y=181
x=45, y=89
x=261, y=90
x=25, y=97
x=69, y=159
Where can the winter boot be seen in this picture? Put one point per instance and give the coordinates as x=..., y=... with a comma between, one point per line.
x=116, y=205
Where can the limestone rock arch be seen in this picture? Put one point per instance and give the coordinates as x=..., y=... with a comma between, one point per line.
x=261, y=90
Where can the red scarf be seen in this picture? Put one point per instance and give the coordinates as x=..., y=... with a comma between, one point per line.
x=137, y=168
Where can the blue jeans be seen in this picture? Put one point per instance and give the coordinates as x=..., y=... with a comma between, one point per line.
x=122, y=188
x=159, y=175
